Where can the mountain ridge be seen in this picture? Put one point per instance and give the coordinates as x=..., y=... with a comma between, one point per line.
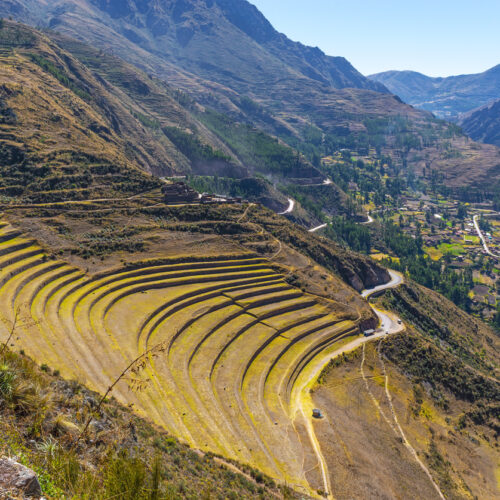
x=483, y=124
x=447, y=97
x=156, y=25
x=194, y=46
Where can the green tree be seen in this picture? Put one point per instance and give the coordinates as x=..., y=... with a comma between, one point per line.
x=461, y=211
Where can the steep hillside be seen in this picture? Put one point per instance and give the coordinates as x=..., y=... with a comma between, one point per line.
x=224, y=313
x=211, y=293
x=121, y=456
x=417, y=411
x=402, y=415
x=62, y=130
x=483, y=124
x=94, y=126
x=228, y=57
x=439, y=319
x=445, y=97
x=190, y=31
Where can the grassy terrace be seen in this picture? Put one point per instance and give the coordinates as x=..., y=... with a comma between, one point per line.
x=235, y=337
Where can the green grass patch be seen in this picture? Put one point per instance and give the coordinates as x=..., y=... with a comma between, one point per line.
x=451, y=248
x=471, y=239
x=433, y=253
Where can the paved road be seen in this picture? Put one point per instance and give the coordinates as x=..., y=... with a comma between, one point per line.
x=396, y=280
x=291, y=206
x=388, y=322
x=317, y=228
x=483, y=239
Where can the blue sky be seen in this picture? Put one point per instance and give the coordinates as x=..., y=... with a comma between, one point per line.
x=435, y=37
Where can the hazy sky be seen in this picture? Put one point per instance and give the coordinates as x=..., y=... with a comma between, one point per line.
x=435, y=37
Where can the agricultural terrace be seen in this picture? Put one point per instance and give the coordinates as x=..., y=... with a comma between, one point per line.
x=234, y=339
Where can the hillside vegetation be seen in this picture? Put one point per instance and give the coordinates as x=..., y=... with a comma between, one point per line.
x=400, y=394
x=222, y=312
x=87, y=125
x=430, y=393
x=121, y=456
x=439, y=319
x=230, y=339
x=228, y=57
x=483, y=124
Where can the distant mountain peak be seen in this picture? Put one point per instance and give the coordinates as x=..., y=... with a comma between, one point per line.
x=446, y=97
x=226, y=41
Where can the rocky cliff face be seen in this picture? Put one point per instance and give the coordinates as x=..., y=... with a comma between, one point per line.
x=182, y=24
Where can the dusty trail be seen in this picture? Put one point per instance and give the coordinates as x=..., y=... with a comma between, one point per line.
x=400, y=430
x=244, y=214
x=369, y=391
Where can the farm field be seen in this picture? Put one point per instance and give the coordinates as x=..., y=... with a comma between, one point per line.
x=228, y=341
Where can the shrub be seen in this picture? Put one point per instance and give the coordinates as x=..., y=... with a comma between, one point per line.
x=125, y=478
x=60, y=75
x=7, y=381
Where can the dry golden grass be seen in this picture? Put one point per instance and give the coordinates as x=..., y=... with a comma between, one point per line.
x=222, y=322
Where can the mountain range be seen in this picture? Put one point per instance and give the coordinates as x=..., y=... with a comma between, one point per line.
x=445, y=97
x=227, y=57
x=239, y=319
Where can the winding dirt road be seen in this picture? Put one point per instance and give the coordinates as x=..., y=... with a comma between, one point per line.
x=303, y=402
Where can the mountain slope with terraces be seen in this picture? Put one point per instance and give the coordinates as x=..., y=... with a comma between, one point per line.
x=236, y=306
x=228, y=57
x=237, y=313
x=92, y=126
x=229, y=340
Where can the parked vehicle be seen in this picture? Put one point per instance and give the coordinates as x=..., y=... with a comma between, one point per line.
x=317, y=413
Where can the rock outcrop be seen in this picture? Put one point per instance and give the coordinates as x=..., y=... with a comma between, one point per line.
x=18, y=479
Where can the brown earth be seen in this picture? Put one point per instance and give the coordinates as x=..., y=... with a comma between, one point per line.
x=365, y=454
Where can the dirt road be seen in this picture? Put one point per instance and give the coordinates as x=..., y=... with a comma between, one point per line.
x=388, y=323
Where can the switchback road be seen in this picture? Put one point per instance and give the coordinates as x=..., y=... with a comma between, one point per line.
x=291, y=206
